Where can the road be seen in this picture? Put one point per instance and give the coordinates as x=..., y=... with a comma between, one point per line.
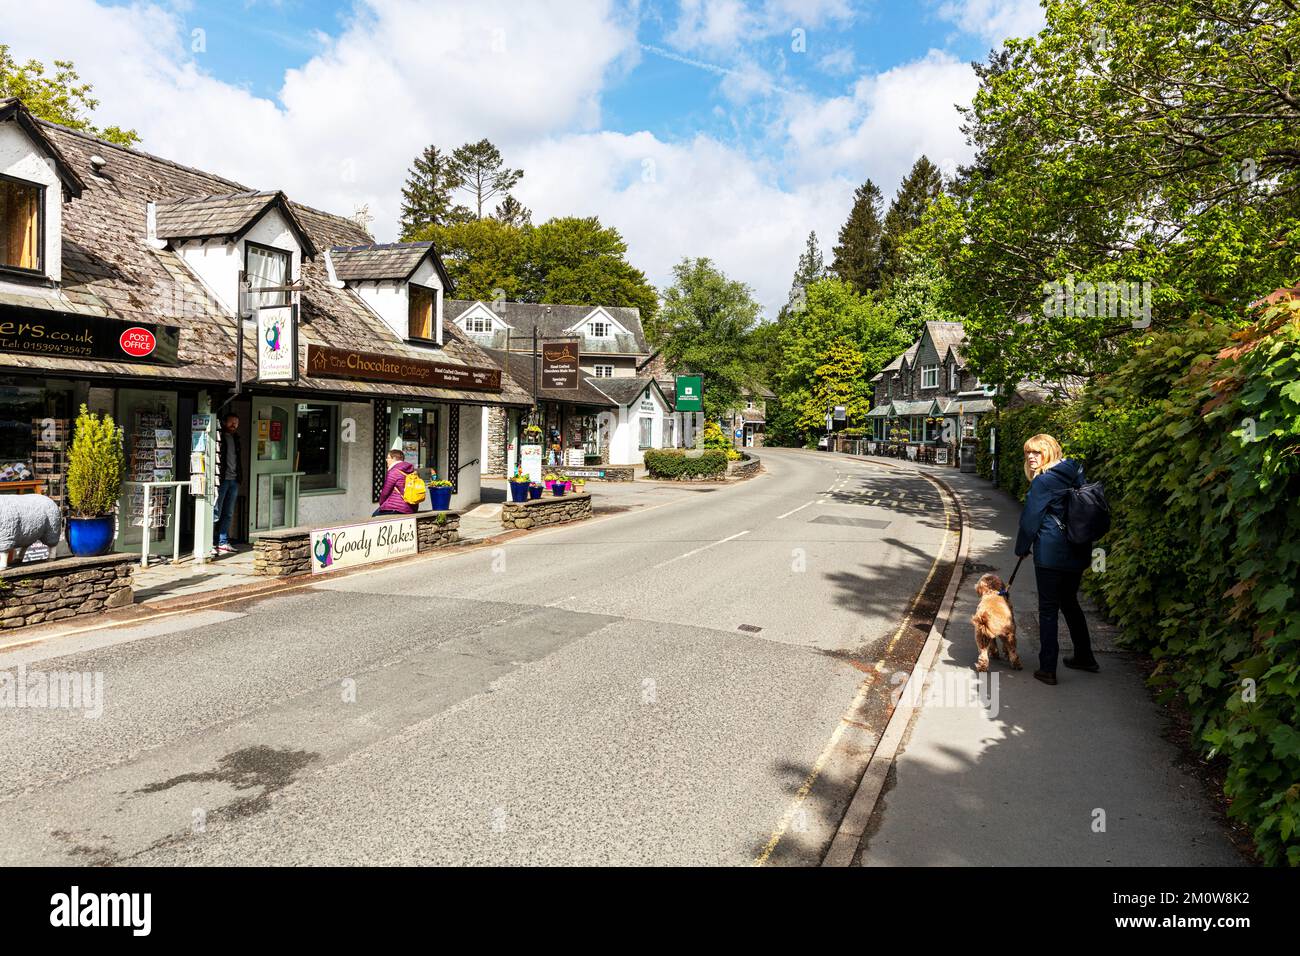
x=663, y=685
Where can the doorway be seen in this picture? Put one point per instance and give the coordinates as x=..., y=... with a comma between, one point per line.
x=273, y=473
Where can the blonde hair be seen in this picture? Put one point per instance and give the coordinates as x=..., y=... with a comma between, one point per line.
x=1048, y=447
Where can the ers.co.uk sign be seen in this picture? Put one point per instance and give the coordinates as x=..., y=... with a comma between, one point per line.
x=325, y=362
x=27, y=331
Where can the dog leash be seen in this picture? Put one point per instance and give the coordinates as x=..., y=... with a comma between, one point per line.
x=1006, y=591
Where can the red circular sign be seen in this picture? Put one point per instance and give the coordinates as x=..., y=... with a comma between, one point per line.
x=137, y=341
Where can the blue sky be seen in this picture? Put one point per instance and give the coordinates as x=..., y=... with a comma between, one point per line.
x=697, y=127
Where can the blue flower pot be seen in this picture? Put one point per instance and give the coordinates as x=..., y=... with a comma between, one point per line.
x=441, y=498
x=91, y=537
x=535, y=492
x=518, y=491
x=558, y=489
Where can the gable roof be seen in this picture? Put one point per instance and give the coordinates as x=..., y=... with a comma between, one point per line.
x=377, y=262
x=944, y=336
x=554, y=321
x=226, y=216
x=12, y=108
x=625, y=389
x=903, y=357
x=519, y=366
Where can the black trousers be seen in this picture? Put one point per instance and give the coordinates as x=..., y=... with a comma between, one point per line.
x=1058, y=592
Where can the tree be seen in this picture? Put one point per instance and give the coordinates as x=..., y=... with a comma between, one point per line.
x=702, y=327
x=577, y=261
x=857, y=256
x=512, y=212
x=482, y=257
x=427, y=196
x=810, y=268
x=480, y=171
x=61, y=98
x=839, y=380
x=919, y=189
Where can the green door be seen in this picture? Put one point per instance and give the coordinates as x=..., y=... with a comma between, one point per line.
x=273, y=497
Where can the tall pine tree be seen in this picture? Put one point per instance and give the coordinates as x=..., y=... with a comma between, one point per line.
x=811, y=267
x=921, y=187
x=857, y=257
x=427, y=196
x=482, y=173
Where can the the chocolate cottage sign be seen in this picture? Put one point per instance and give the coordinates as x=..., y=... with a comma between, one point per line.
x=324, y=362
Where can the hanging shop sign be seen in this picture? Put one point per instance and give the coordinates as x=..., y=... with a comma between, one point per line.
x=325, y=362
x=333, y=549
x=277, y=343
x=690, y=393
x=67, y=335
x=560, y=366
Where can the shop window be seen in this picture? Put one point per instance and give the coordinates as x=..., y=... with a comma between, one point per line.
x=645, y=432
x=20, y=225
x=420, y=312
x=318, y=452
x=266, y=267
x=930, y=376
x=670, y=436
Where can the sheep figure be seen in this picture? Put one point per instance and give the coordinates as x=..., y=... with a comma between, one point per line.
x=24, y=520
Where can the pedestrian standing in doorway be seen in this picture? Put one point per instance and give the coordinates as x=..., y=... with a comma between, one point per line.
x=392, y=498
x=227, y=482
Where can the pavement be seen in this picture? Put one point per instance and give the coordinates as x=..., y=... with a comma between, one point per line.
x=691, y=677
x=1079, y=774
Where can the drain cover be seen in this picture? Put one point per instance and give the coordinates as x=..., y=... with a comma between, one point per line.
x=751, y=628
x=849, y=522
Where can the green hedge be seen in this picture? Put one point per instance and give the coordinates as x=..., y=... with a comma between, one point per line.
x=1198, y=442
x=677, y=464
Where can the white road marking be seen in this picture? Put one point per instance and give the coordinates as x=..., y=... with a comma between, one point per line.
x=706, y=547
x=789, y=513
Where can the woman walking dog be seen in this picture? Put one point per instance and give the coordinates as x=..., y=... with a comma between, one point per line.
x=1059, y=563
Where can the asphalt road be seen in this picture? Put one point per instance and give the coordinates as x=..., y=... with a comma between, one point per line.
x=656, y=686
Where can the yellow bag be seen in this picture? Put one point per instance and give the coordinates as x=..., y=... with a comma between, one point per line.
x=415, y=490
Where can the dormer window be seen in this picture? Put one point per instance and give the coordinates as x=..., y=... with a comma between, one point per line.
x=21, y=225
x=420, y=311
x=266, y=267
x=598, y=329
x=952, y=377
x=478, y=323
x=930, y=376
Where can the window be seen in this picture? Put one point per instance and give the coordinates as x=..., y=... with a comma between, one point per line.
x=318, y=450
x=749, y=404
x=598, y=329
x=930, y=376
x=952, y=377
x=420, y=312
x=670, y=430
x=20, y=225
x=645, y=432
x=263, y=267
x=478, y=323
x=968, y=426
x=603, y=371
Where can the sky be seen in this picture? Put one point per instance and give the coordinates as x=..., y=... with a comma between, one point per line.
x=695, y=127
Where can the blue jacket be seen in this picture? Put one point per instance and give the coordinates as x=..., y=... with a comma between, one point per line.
x=1042, y=523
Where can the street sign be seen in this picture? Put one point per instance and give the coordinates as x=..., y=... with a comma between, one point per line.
x=690, y=393
x=560, y=366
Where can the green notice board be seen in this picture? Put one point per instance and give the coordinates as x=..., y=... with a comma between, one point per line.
x=690, y=393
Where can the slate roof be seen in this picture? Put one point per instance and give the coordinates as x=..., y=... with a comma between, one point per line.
x=223, y=216
x=519, y=366
x=909, y=356
x=554, y=321
x=625, y=390
x=946, y=335
x=384, y=261
x=111, y=270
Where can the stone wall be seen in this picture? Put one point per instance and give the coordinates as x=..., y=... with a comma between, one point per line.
x=747, y=467
x=46, y=591
x=497, y=420
x=546, y=510
x=287, y=552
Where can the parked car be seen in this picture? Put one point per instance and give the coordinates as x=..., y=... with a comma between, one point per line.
x=823, y=443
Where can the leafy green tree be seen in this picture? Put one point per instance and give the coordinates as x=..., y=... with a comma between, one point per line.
x=919, y=189
x=840, y=379
x=482, y=257
x=577, y=261
x=61, y=98
x=703, y=326
x=857, y=255
x=481, y=172
x=95, y=465
x=427, y=196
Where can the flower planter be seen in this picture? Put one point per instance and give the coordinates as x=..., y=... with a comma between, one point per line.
x=440, y=498
x=518, y=491
x=91, y=537
x=535, y=492
x=557, y=489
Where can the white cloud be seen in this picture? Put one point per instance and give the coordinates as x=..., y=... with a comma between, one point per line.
x=995, y=20
x=723, y=25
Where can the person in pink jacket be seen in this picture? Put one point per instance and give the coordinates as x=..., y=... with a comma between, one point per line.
x=391, y=501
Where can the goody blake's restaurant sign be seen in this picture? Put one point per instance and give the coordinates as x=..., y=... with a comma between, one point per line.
x=333, y=549
x=326, y=362
x=65, y=335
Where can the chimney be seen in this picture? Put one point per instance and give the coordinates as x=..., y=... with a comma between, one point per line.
x=151, y=226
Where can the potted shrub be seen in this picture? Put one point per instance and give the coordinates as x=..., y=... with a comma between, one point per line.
x=550, y=480
x=95, y=467
x=558, y=487
x=440, y=494
x=579, y=485
x=535, y=490
x=519, y=486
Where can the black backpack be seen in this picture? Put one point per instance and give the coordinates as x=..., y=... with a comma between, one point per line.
x=1087, y=515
